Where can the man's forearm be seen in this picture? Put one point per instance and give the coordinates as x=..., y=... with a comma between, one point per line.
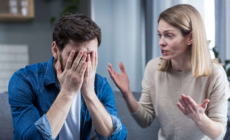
x=101, y=118
x=58, y=112
x=210, y=128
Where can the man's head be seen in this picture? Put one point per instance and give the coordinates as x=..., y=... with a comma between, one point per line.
x=74, y=32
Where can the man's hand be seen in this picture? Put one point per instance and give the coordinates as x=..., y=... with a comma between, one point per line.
x=89, y=78
x=71, y=78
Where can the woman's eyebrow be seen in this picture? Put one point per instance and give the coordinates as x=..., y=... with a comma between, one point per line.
x=164, y=31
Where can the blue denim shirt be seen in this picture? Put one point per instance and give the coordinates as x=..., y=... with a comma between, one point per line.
x=32, y=91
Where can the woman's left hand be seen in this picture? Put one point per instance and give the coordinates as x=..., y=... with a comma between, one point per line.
x=191, y=109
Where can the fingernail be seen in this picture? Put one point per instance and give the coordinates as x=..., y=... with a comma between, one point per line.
x=80, y=52
x=73, y=51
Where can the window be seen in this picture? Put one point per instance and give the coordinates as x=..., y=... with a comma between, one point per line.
x=209, y=22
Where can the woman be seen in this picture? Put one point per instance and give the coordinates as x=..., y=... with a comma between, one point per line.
x=184, y=74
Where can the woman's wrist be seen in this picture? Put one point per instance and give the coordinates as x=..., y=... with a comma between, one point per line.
x=201, y=120
x=126, y=95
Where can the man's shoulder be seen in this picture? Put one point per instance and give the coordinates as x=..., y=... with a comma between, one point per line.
x=99, y=81
x=31, y=70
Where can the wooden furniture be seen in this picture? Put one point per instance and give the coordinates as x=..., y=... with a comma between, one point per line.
x=18, y=17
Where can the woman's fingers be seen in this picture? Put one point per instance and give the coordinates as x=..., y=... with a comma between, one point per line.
x=183, y=97
x=187, y=105
x=192, y=103
x=181, y=108
x=205, y=103
x=182, y=102
x=110, y=69
x=122, y=68
x=110, y=73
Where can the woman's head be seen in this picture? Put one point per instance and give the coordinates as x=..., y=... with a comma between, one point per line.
x=190, y=38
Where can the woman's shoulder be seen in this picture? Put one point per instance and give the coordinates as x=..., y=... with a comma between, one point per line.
x=218, y=70
x=154, y=63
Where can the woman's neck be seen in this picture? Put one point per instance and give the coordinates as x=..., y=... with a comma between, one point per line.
x=182, y=64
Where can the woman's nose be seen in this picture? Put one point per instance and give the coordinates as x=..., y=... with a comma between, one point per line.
x=162, y=41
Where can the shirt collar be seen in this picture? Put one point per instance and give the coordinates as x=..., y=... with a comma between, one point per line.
x=50, y=74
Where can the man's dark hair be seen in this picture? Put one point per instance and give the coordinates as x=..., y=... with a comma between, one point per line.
x=76, y=27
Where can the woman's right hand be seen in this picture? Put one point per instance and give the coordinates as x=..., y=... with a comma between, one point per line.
x=121, y=80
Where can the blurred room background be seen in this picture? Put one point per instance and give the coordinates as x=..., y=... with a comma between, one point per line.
x=129, y=35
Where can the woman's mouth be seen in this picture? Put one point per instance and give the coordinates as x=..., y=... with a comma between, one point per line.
x=163, y=52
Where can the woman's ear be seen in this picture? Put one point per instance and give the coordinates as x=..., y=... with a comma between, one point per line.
x=190, y=39
x=55, y=50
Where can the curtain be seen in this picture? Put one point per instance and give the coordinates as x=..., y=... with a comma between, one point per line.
x=123, y=38
x=222, y=27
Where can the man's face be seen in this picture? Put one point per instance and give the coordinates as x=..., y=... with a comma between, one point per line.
x=86, y=47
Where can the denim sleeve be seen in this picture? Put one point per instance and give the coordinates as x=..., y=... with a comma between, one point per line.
x=24, y=113
x=43, y=126
x=107, y=99
x=117, y=126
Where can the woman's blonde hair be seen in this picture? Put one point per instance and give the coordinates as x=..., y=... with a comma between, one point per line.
x=187, y=19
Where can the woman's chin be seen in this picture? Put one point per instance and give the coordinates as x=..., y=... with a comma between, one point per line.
x=166, y=57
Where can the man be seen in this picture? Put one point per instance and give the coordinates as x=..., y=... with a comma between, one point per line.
x=61, y=98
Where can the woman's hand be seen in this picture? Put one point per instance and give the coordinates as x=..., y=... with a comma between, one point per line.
x=121, y=80
x=191, y=109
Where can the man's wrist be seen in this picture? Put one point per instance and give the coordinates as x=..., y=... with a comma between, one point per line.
x=90, y=95
x=67, y=95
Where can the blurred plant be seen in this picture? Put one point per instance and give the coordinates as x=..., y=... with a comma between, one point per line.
x=226, y=64
x=70, y=8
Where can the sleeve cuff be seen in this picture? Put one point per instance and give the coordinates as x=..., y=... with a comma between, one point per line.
x=117, y=126
x=43, y=126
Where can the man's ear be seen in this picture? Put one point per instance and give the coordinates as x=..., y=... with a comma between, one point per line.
x=55, y=50
x=190, y=39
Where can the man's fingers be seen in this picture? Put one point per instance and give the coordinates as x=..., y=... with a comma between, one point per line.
x=59, y=71
x=96, y=60
x=78, y=60
x=93, y=59
x=83, y=69
x=88, y=58
x=70, y=60
x=78, y=67
x=122, y=68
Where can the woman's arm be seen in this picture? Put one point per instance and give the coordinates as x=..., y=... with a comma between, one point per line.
x=142, y=112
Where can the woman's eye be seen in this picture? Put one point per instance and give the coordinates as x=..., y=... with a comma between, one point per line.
x=159, y=35
x=169, y=36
